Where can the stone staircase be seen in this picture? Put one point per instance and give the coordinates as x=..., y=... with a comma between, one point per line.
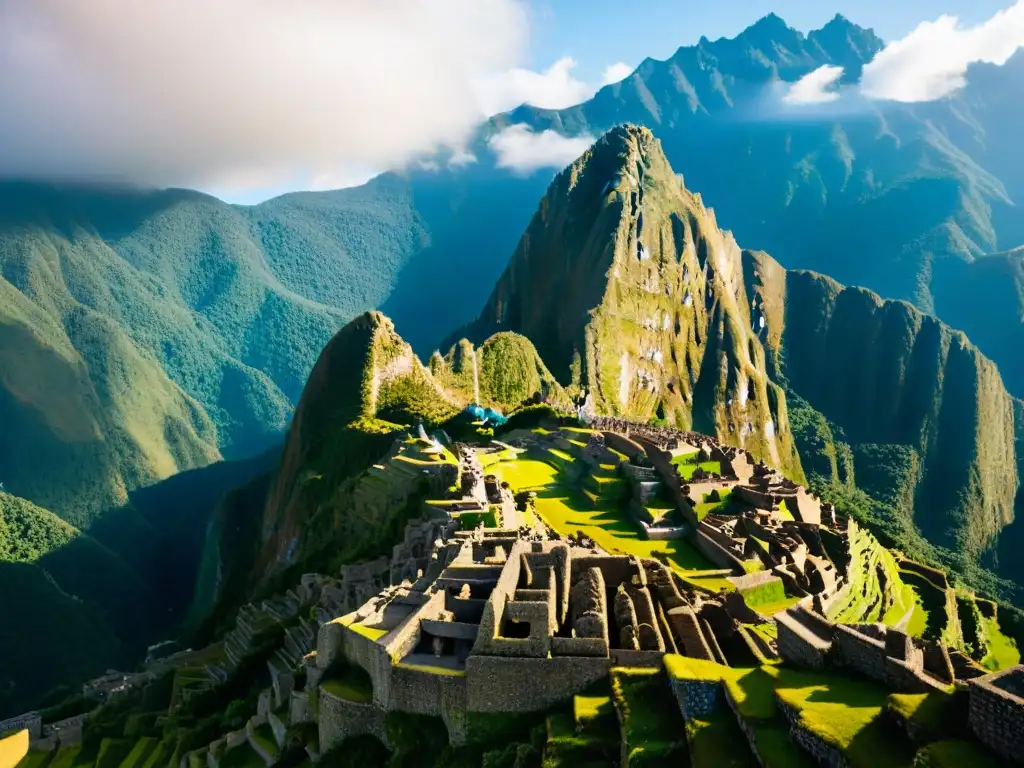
x=299, y=640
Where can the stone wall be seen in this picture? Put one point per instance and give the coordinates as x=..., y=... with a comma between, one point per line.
x=864, y=654
x=666, y=533
x=933, y=575
x=299, y=709
x=30, y=721
x=623, y=445
x=895, y=662
x=799, y=644
x=488, y=638
x=496, y=684
x=823, y=753
x=441, y=694
x=697, y=698
x=341, y=719
x=69, y=730
x=997, y=715
x=615, y=569
x=621, y=657
x=715, y=552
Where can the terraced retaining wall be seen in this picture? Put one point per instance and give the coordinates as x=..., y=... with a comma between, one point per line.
x=341, y=719
x=997, y=712
x=498, y=684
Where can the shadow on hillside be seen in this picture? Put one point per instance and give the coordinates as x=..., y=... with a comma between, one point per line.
x=96, y=602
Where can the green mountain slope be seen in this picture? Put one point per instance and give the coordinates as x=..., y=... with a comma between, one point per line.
x=910, y=172
x=928, y=415
x=161, y=312
x=85, y=415
x=504, y=372
x=626, y=274
x=55, y=584
x=985, y=299
x=366, y=385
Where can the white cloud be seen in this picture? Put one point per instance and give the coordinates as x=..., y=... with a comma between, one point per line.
x=461, y=157
x=213, y=94
x=615, y=73
x=554, y=88
x=813, y=88
x=931, y=61
x=520, y=149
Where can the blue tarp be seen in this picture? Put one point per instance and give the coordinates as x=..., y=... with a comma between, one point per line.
x=487, y=415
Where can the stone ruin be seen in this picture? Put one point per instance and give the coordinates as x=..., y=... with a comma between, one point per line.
x=996, y=712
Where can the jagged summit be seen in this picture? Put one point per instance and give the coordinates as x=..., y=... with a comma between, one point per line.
x=625, y=276
x=770, y=47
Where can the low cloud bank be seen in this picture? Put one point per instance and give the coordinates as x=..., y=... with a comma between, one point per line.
x=243, y=93
x=520, y=149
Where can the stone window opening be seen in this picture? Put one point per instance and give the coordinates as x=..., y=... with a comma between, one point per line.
x=515, y=629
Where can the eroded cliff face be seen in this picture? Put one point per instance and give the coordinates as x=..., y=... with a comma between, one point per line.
x=887, y=374
x=625, y=271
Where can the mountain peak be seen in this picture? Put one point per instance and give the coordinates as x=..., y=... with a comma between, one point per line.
x=771, y=28
x=770, y=21
x=625, y=282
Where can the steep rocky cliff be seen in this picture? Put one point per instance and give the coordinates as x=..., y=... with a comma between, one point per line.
x=900, y=384
x=624, y=274
x=366, y=384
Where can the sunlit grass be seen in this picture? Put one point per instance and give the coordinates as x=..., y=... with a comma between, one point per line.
x=569, y=511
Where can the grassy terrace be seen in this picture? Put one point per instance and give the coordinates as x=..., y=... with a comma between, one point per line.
x=432, y=670
x=66, y=757
x=585, y=734
x=652, y=726
x=866, y=600
x=687, y=464
x=955, y=754
x=242, y=756
x=568, y=510
x=14, y=747
x=844, y=712
x=264, y=736
x=933, y=715
x=1001, y=651
x=373, y=633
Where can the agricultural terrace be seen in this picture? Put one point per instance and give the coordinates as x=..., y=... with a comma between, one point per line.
x=845, y=713
x=593, y=505
x=877, y=591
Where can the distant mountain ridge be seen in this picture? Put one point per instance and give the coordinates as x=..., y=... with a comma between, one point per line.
x=902, y=199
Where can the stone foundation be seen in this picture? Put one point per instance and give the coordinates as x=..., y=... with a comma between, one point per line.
x=498, y=684
x=341, y=719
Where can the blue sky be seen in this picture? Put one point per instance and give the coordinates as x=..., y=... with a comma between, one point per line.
x=597, y=33
x=325, y=93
